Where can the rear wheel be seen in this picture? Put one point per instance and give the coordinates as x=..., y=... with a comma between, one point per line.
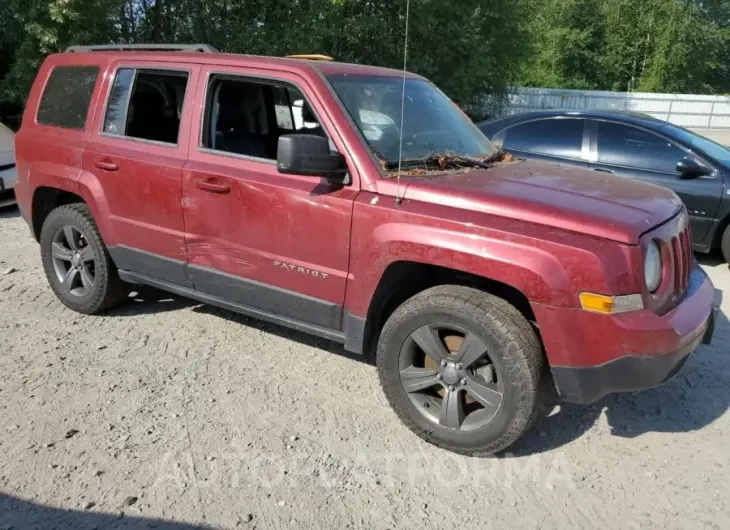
x=76, y=262
x=462, y=369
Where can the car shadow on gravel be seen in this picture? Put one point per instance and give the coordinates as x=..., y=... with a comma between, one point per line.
x=20, y=514
x=148, y=300
x=282, y=331
x=713, y=259
x=694, y=399
x=9, y=212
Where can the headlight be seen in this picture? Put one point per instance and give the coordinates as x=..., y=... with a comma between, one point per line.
x=653, y=267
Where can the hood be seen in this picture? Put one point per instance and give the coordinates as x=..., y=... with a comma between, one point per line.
x=578, y=200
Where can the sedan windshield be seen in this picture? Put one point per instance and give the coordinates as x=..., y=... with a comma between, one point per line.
x=433, y=126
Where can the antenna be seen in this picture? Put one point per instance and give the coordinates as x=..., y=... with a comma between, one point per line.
x=398, y=198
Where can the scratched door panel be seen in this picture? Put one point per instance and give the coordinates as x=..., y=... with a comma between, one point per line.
x=283, y=231
x=255, y=235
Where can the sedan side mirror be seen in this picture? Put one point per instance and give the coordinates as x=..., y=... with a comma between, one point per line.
x=310, y=155
x=689, y=169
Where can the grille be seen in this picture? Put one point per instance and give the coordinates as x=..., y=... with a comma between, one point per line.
x=675, y=239
x=682, y=260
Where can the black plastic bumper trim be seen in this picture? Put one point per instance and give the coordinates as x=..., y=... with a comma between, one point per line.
x=632, y=373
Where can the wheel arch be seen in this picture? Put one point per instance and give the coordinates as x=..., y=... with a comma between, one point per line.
x=52, y=193
x=722, y=226
x=402, y=280
x=45, y=200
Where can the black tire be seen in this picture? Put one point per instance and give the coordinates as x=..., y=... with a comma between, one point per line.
x=726, y=244
x=108, y=290
x=515, y=346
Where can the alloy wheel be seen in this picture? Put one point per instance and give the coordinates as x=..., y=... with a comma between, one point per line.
x=74, y=261
x=450, y=378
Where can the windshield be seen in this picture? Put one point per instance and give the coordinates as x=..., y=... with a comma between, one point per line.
x=432, y=124
x=707, y=146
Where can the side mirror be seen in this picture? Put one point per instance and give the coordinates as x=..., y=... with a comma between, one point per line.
x=689, y=169
x=310, y=155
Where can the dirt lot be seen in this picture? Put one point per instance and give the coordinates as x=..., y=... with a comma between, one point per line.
x=170, y=413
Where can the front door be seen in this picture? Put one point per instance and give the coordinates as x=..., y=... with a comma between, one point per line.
x=632, y=152
x=137, y=152
x=256, y=238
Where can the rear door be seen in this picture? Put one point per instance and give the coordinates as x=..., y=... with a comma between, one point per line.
x=634, y=152
x=559, y=140
x=137, y=151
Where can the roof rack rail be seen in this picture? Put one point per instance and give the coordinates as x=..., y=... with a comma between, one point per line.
x=311, y=57
x=204, y=48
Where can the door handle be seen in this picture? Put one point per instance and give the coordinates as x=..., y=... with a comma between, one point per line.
x=601, y=170
x=212, y=186
x=106, y=165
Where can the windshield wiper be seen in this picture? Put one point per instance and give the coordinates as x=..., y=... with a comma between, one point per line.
x=443, y=161
x=497, y=155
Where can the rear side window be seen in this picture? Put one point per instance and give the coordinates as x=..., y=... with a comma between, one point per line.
x=65, y=100
x=146, y=104
x=555, y=137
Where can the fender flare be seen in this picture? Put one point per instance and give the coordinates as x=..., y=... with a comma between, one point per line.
x=84, y=184
x=534, y=271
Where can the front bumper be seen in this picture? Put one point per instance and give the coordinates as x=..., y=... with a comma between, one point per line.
x=604, y=354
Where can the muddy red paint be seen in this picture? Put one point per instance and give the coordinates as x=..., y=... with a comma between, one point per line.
x=543, y=233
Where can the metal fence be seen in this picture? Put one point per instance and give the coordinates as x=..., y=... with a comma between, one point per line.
x=692, y=111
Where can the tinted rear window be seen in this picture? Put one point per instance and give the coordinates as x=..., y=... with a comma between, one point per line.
x=556, y=137
x=65, y=100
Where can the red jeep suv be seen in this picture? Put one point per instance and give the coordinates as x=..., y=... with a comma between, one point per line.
x=269, y=186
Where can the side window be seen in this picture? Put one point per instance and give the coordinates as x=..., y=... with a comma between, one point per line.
x=622, y=145
x=247, y=117
x=115, y=121
x=282, y=103
x=66, y=97
x=561, y=137
x=146, y=104
x=292, y=112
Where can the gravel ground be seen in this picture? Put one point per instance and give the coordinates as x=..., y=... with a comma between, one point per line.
x=177, y=415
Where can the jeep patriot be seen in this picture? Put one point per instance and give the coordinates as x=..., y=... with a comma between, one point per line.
x=268, y=186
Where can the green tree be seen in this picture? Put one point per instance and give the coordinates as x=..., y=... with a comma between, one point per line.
x=652, y=45
x=466, y=46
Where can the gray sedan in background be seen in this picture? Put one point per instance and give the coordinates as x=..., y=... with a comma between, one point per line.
x=8, y=175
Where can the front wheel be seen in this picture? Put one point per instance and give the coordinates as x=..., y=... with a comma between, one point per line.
x=76, y=262
x=462, y=369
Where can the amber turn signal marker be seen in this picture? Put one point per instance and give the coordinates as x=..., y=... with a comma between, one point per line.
x=599, y=303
